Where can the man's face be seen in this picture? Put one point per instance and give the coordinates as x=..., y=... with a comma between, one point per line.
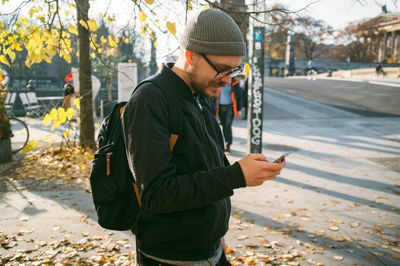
x=202, y=76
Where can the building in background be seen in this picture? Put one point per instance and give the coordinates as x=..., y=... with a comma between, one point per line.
x=386, y=28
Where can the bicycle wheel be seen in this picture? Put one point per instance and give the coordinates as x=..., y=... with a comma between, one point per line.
x=314, y=75
x=20, y=134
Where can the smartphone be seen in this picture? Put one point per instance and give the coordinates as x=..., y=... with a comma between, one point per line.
x=282, y=158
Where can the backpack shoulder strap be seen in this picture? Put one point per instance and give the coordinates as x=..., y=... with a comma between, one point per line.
x=108, y=128
x=175, y=122
x=175, y=113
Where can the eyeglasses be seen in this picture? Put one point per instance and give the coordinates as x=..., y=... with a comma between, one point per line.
x=225, y=72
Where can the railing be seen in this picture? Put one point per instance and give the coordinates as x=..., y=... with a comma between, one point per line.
x=390, y=72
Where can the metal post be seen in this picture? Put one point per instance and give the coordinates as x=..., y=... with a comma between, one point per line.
x=289, y=56
x=102, y=109
x=256, y=85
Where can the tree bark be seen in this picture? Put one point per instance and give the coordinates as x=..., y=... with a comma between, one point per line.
x=86, y=136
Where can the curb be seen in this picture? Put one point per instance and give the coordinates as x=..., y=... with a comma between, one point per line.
x=383, y=83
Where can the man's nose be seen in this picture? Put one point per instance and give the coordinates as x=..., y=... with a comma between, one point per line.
x=227, y=79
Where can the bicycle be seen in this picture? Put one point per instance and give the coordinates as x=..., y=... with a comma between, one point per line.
x=312, y=74
x=380, y=72
x=20, y=133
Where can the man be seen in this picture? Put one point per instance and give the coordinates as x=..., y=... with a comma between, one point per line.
x=311, y=66
x=378, y=69
x=184, y=193
x=30, y=86
x=229, y=105
x=245, y=94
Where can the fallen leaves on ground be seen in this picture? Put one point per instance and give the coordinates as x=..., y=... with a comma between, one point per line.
x=333, y=227
x=268, y=247
x=66, y=251
x=55, y=163
x=354, y=224
x=287, y=239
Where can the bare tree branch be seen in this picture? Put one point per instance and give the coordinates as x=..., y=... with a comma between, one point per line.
x=21, y=5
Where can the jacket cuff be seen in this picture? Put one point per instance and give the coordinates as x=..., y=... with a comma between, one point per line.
x=237, y=177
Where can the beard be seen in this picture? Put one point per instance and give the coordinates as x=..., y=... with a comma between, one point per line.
x=204, y=88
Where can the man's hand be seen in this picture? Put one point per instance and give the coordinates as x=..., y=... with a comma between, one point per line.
x=256, y=169
x=239, y=113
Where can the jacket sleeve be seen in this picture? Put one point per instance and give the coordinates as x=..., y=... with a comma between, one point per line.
x=161, y=190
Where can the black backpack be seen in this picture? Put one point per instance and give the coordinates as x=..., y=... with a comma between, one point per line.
x=114, y=191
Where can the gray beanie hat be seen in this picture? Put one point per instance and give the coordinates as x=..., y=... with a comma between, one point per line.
x=213, y=32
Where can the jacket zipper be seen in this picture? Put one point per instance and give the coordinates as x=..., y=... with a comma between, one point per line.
x=205, y=128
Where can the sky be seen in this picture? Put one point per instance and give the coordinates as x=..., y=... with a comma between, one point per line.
x=338, y=13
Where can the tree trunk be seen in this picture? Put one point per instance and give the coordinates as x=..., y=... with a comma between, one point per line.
x=86, y=137
x=109, y=95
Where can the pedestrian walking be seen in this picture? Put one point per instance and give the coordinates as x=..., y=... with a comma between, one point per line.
x=69, y=94
x=229, y=105
x=30, y=87
x=379, y=70
x=246, y=95
x=185, y=192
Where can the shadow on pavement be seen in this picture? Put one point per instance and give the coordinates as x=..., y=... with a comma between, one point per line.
x=340, y=195
x=294, y=231
x=364, y=112
x=359, y=182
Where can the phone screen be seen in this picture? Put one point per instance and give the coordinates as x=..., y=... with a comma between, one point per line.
x=282, y=157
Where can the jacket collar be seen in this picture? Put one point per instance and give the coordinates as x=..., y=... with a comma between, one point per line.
x=175, y=81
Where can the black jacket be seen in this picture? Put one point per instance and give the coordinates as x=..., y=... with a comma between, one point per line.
x=184, y=193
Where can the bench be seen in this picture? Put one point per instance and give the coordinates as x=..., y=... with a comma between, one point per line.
x=32, y=108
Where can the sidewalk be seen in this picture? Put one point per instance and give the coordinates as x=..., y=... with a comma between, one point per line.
x=335, y=203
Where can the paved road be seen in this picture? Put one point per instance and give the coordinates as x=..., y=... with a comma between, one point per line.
x=363, y=98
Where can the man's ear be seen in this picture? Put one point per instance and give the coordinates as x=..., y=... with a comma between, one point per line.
x=189, y=57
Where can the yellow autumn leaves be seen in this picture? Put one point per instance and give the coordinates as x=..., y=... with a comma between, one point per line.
x=142, y=16
x=43, y=43
x=90, y=25
x=9, y=44
x=72, y=29
x=30, y=146
x=108, y=44
x=171, y=27
x=246, y=68
x=58, y=116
